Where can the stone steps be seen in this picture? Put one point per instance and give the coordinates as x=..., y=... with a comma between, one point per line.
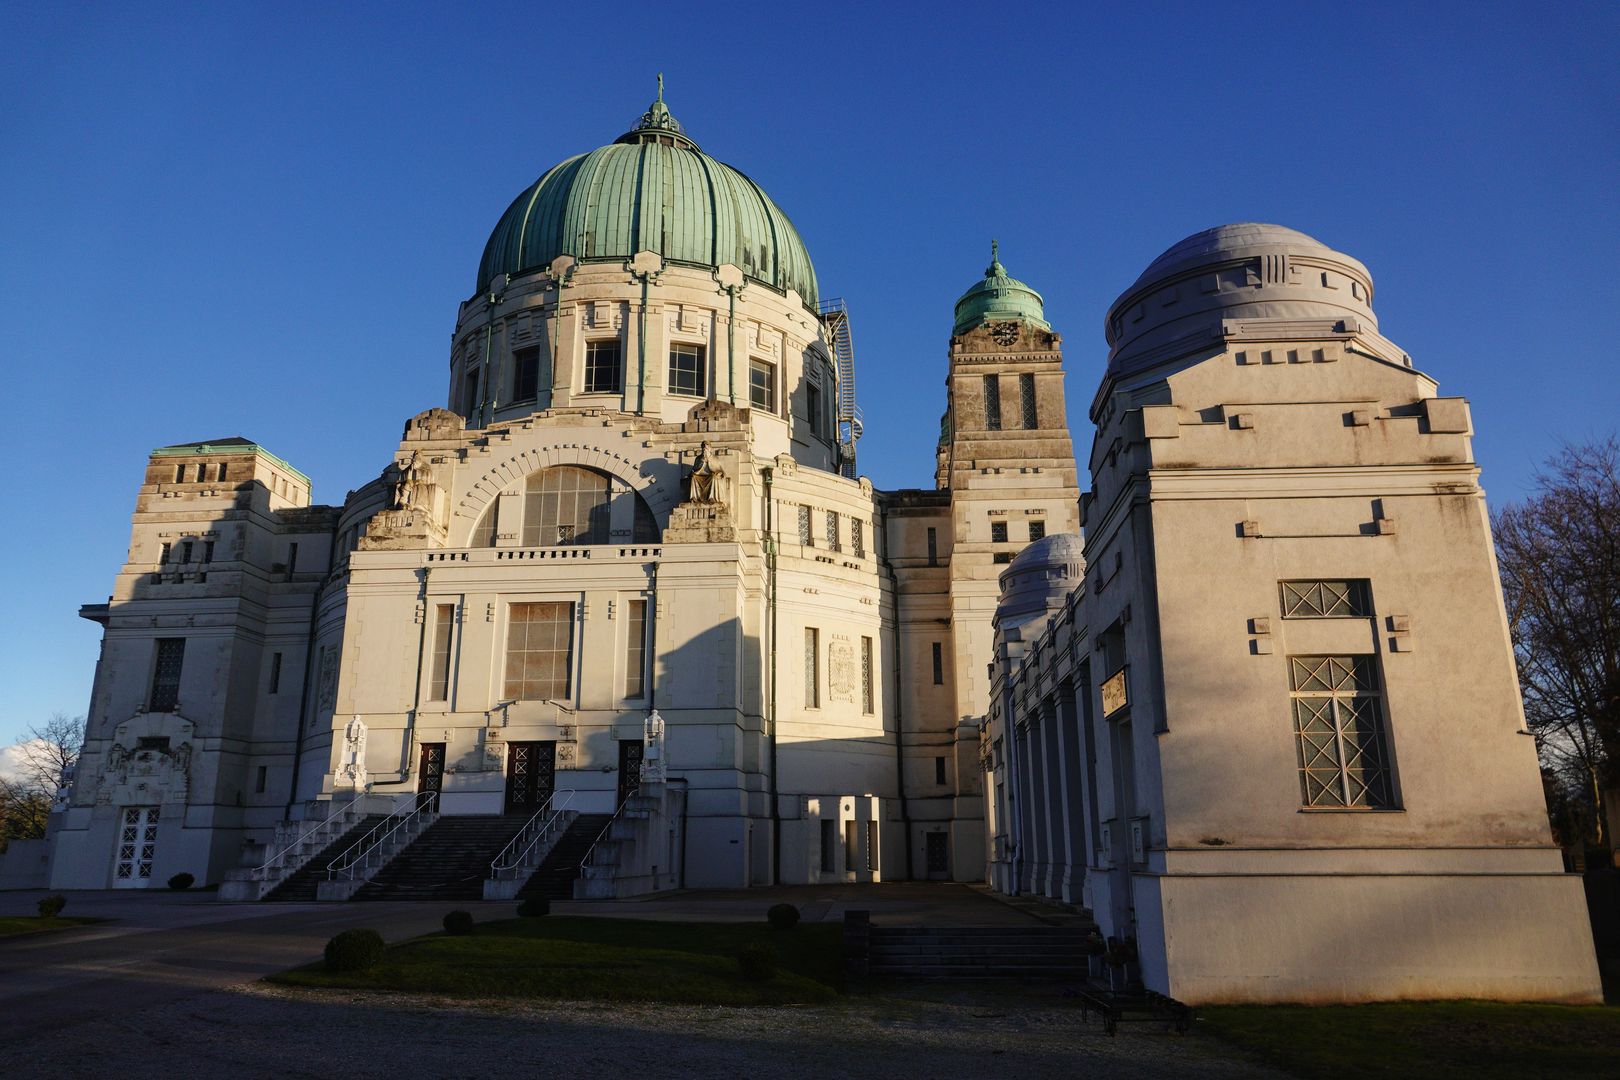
x=449, y=861
x=554, y=878
x=302, y=883
x=979, y=952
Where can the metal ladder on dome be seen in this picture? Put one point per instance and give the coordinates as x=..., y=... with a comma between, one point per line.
x=835, y=324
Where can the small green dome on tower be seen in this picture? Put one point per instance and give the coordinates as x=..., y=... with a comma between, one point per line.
x=999, y=297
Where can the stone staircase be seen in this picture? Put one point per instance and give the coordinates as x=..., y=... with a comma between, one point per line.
x=554, y=878
x=303, y=882
x=981, y=952
x=448, y=861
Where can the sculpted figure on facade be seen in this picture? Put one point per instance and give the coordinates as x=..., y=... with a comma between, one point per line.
x=706, y=479
x=353, y=768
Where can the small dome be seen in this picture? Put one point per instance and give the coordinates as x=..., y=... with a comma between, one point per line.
x=999, y=297
x=1040, y=578
x=650, y=190
x=1245, y=271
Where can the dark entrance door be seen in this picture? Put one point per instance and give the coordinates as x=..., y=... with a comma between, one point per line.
x=530, y=775
x=939, y=856
x=631, y=752
x=430, y=769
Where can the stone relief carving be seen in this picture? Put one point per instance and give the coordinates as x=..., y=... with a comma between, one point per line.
x=841, y=670
x=329, y=676
x=351, y=768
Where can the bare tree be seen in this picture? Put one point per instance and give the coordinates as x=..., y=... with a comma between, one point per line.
x=44, y=761
x=1559, y=556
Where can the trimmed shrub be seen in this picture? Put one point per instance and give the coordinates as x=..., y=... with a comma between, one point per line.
x=181, y=882
x=534, y=907
x=354, y=950
x=458, y=922
x=782, y=916
x=51, y=906
x=757, y=961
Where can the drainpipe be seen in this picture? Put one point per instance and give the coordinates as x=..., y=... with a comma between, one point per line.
x=416, y=692
x=731, y=366
x=769, y=475
x=899, y=697
x=641, y=350
x=309, y=663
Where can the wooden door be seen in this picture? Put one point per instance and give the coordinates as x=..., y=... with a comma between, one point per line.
x=430, y=768
x=631, y=751
x=938, y=856
x=530, y=776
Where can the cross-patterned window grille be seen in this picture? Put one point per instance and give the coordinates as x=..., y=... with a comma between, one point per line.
x=1026, y=400
x=137, y=844
x=1037, y=528
x=812, y=668
x=1344, y=599
x=539, y=652
x=866, y=676
x=171, y=656
x=992, y=402
x=1339, y=726
x=857, y=537
x=998, y=532
x=832, y=531
x=804, y=527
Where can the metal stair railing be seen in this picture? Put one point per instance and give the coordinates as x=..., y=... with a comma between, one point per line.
x=359, y=857
x=514, y=856
x=585, y=863
x=278, y=860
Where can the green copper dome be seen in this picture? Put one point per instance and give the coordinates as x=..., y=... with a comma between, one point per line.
x=651, y=190
x=999, y=297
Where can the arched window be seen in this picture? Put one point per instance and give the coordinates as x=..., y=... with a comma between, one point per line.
x=572, y=505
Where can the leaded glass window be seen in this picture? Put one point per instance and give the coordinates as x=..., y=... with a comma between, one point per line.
x=565, y=505
x=602, y=368
x=483, y=534
x=1342, y=599
x=804, y=527
x=992, y=402
x=832, y=531
x=1339, y=728
x=686, y=370
x=539, y=651
x=1026, y=400
x=866, y=675
x=171, y=655
x=812, y=668
x=857, y=538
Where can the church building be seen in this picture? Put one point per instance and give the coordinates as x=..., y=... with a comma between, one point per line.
x=623, y=616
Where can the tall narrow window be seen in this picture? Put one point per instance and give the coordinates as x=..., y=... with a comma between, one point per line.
x=992, y=402
x=186, y=550
x=866, y=676
x=292, y=558
x=939, y=770
x=1026, y=401
x=857, y=538
x=933, y=546
x=525, y=373
x=444, y=622
x=171, y=655
x=939, y=664
x=762, y=385
x=832, y=531
x=602, y=368
x=1339, y=725
x=1037, y=528
x=635, y=653
x=208, y=551
x=483, y=534
x=261, y=779
x=812, y=668
x=275, y=673
x=180, y=474
x=804, y=527
x=998, y=532
x=686, y=370
x=163, y=552
x=469, y=393
x=812, y=408
x=540, y=652
x=222, y=468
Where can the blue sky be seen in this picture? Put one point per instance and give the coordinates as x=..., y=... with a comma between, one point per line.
x=258, y=220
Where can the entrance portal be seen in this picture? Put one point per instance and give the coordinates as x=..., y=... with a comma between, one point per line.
x=137, y=848
x=530, y=775
x=938, y=856
x=631, y=751
x=430, y=769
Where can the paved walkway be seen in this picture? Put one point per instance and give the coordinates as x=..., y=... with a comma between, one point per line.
x=905, y=903
x=168, y=988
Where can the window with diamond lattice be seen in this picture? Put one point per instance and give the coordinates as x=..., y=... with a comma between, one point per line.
x=171, y=656
x=832, y=531
x=1340, y=599
x=1026, y=401
x=539, y=652
x=1339, y=729
x=992, y=402
x=804, y=527
x=812, y=668
x=866, y=676
x=857, y=538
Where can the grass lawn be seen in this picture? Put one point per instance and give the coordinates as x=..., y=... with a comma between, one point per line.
x=12, y=925
x=1435, y=1040
x=601, y=959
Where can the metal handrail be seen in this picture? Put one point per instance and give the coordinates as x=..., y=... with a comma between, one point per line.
x=258, y=873
x=586, y=861
x=553, y=816
x=424, y=805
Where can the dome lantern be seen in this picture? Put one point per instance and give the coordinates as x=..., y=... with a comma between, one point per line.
x=999, y=297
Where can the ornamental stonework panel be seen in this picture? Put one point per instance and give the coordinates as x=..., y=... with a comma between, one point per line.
x=841, y=676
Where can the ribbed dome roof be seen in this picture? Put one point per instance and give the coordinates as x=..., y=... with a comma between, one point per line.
x=651, y=190
x=1241, y=237
x=1042, y=575
x=999, y=296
